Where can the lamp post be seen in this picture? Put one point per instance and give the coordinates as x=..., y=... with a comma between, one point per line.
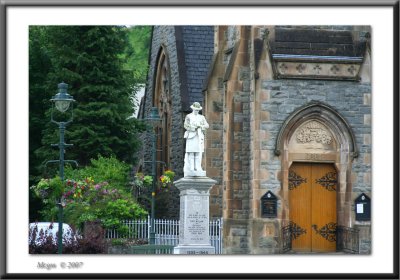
x=62, y=101
x=154, y=120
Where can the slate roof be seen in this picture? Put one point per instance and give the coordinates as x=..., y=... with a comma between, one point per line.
x=198, y=47
x=317, y=42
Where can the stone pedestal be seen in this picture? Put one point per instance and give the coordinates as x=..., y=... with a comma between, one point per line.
x=194, y=236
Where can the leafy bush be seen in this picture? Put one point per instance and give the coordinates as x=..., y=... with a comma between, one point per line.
x=98, y=192
x=87, y=201
x=103, y=169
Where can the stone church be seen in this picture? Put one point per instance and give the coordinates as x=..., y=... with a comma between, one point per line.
x=289, y=142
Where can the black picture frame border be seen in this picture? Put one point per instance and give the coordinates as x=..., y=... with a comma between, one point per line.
x=4, y=4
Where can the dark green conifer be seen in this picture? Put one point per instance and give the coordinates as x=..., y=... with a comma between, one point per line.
x=90, y=59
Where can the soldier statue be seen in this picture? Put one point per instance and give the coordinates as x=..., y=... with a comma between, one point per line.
x=195, y=125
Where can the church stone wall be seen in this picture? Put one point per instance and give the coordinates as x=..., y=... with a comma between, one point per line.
x=188, y=50
x=164, y=36
x=274, y=101
x=255, y=105
x=246, y=106
x=213, y=110
x=283, y=97
x=228, y=139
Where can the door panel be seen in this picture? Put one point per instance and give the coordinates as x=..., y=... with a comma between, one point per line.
x=312, y=202
x=300, y=206
x=323, y=201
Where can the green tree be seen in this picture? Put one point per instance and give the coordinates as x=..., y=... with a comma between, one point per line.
x=39, y=67
x=103, y=66
x=137, y=53
x=91, y=60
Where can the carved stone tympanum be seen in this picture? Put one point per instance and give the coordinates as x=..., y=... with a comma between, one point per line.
x=313, y=132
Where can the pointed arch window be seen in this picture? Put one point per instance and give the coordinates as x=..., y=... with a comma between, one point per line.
x=162, y=100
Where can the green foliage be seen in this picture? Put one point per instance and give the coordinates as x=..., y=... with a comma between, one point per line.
x=48, y=191
x=39, y=66
x=145, y=181
x=142, y=180
x=137, y=54
x=49, y=188
x=88, y=202
x=118, y=242
x=167, y=178
x=98, y=193
x=143, y=185
x=103, y=66
x=103, y=169
x=123, y=209
x=91, y=60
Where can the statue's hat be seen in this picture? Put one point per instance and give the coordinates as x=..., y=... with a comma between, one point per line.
x=196, y=106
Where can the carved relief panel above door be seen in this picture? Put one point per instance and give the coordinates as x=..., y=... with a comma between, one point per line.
x=312, y=141
x=313, y=132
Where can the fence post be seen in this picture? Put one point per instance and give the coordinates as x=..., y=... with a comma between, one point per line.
x=148, y=229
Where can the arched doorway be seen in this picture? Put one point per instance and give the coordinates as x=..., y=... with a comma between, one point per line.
x=317, y=147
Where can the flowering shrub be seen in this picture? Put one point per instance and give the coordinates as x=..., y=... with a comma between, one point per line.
x=99, y=192
x=85, y=200
x=88, y=191
x=90, y=201
x=102, y=169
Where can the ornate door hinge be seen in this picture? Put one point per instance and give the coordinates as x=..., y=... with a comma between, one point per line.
x=295, y=180
x=296, y=230
x=328, y=181
x=328, y=231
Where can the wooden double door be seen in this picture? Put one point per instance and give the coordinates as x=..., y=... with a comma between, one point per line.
x=312, y=202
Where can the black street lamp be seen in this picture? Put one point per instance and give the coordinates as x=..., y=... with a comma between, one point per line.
x=154, y=120
x=62, y=101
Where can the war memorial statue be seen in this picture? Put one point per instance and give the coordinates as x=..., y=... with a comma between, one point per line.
x=195, y=125
x=194, y=236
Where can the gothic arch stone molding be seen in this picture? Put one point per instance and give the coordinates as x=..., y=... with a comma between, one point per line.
x=317, y=133
x=319, y=111
x=161, y=83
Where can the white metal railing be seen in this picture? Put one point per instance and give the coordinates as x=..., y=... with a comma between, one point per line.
x=167, y=232
x=216, y=226
x=137, y=229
